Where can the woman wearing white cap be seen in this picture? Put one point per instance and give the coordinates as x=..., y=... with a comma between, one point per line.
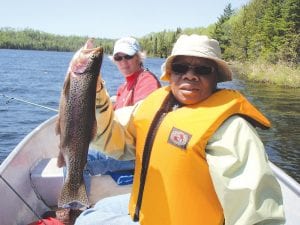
x=139, y=82
x=199, y=159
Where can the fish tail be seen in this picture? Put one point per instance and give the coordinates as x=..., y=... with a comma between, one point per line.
x=74, y=199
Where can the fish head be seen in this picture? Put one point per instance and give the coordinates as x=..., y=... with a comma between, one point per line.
x=87, y=60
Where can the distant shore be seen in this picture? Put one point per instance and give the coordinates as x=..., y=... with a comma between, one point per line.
x=273, y=74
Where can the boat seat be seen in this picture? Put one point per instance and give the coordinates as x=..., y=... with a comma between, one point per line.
x=47, y=181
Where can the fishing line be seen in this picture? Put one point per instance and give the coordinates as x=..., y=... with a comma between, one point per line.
x=31, y=209
x=28, y=102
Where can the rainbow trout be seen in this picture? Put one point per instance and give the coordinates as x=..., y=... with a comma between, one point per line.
x=76, y=123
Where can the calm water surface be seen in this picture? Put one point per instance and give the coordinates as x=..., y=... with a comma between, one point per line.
x=37, y=76
x=282, y=141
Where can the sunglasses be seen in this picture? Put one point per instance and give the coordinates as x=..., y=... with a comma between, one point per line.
x=181, y=69
x=120, y=58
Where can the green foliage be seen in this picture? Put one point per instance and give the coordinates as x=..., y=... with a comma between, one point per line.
x=222, y=31
x=266, y=30
x=37, y=40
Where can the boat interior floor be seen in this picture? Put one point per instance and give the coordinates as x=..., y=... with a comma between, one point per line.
x=47, y=181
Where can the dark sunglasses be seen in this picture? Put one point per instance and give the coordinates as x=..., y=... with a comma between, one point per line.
x=120, y=58
x=180, y=69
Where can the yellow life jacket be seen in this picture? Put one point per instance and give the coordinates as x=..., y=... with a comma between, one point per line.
x=178, y=188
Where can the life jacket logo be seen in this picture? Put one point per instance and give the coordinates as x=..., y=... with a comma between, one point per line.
x=179, y=138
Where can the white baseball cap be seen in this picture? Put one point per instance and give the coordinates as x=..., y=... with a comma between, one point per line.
x=126, y=45
x=199, y=46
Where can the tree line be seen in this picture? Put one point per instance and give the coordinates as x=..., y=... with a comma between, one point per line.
x=30, y=39
x=265, y=30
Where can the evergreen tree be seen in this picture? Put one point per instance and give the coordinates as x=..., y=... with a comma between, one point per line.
x=290, y=41
x=222, y=29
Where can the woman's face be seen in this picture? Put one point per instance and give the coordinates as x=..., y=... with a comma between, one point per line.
x=193, y=79
x=126, y=64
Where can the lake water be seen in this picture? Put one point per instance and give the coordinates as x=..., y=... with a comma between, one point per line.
x=37, y=77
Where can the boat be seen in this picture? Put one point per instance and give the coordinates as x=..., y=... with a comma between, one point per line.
x=30, y=181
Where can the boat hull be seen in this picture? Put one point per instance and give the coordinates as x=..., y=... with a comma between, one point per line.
x=16, y=168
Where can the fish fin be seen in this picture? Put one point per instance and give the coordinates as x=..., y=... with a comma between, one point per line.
x=94, y=129
x=75, y=199
x=60, y=160
x=63, y=99
x=66, y=87
x=57, y=126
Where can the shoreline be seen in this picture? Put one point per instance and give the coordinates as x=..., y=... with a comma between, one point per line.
x=283, y=75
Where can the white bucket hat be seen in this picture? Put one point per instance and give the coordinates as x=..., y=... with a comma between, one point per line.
x=126, y=45
x=199, y=46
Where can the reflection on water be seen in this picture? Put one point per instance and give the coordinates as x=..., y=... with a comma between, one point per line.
x=282, y=106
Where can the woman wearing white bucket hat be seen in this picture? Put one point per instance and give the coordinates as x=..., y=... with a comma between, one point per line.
x=198, y=46
x=199, y=159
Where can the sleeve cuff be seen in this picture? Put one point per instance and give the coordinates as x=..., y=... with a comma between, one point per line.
x=102, y=95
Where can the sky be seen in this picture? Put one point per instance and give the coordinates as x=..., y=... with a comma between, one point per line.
x=111, y=18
